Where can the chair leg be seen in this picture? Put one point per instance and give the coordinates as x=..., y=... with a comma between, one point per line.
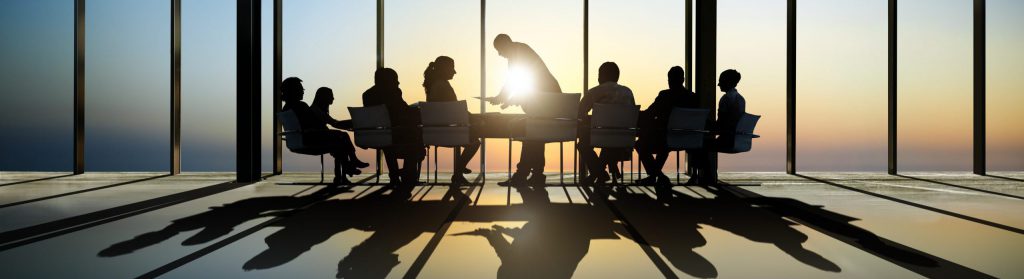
x=379, y=171
x=677, y=167
x=561, y=164
x=510, y=158
x=575, y=166
x=321, y=168
x=436, y=166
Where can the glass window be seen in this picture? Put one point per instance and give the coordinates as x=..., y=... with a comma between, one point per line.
x=1005, y=66
x=208, y=85
x=127, y=85
x=326, y=44
x=414, y=38
x=752, y=40
x=38, y=76
x=554, y=29
x=842, y=86
x=935, y=85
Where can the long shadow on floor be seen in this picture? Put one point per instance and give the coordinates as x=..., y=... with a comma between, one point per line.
x=838, y=227
x=555, y=238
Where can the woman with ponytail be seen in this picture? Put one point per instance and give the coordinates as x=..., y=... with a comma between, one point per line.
x=438, y=89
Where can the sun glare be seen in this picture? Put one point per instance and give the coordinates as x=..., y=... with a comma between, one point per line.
x=520, y=82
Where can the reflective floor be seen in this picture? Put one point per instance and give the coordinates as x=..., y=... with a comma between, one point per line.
x=766, y=225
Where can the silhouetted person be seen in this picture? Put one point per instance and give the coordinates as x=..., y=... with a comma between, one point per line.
x=322, y=101
x=438, y=89
x=731, y=107
x=651, y=143
x=404, y=121
x=608, y=91
x=315, y=131
x=527, y=76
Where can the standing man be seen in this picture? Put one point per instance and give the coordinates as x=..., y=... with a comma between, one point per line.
x=527, y=77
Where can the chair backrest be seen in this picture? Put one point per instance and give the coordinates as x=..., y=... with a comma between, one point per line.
x=686, y=128
x=445, y=123
x=371, y=126
x=552, y=117
x=614, y=125
x=744, y=138
x=292, y=130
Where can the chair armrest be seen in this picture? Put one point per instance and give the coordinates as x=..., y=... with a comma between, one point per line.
x=614, y=128
x=444, y=126
x=371, y=128
x=690, y=130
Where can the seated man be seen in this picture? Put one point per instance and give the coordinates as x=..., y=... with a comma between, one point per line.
x=404, y=120
x=608, y=91
x=651, y=145
x=316, y=133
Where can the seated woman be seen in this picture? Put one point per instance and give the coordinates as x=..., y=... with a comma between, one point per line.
x=405, y=122
x=314, y=125
x=438, y=89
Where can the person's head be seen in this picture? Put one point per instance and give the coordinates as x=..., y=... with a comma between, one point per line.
x=324, y=97
x=503, y=44
x=291, y=89
x=676, y=77
x=728, y=80
x=443, y=68
x=385, y=77
x=608, y=71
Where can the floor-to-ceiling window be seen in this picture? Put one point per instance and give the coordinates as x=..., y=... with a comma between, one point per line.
x=752, y=40
x=38, y=77
x=554, y=29
x=1005, y=66
x=935, y=85
x=416, y=32
x=208, y=85
x=127, y=84
x=326, y=44
x=644, y=38
x=842, y=85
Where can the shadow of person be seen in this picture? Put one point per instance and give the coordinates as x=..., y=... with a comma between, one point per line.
x=554, y=240
x=218, y=221
x=673, y=230
x=740, y=217
x=394, y=220
x=396, y=225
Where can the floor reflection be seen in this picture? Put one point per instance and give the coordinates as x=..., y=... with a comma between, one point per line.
x=545, y=239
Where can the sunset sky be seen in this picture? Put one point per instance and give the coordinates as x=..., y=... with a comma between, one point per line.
x=841, y=78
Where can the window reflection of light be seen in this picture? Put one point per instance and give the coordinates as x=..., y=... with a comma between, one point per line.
x=520, y=82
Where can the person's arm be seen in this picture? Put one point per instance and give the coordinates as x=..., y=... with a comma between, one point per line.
x=586, y=104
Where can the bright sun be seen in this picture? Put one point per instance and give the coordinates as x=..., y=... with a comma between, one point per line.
x=520, y=82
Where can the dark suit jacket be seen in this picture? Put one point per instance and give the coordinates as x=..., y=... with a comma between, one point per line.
x=654, y=120
x=391, y=97
x=731, y=107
